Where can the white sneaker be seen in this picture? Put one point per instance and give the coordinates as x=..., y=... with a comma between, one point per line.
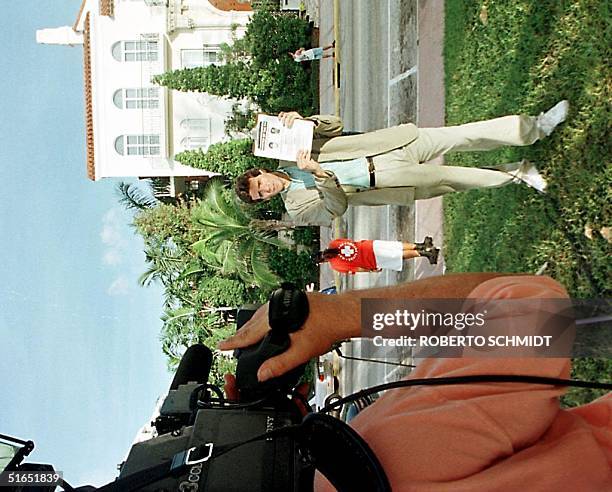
x=554, y=116
x=530, y=175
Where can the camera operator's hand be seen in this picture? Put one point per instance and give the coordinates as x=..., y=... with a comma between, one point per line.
x=316, y=337
x=338, y=317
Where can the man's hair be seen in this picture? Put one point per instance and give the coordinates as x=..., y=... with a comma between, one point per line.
x=242, y=185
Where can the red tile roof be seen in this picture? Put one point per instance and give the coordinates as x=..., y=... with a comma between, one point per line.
x=89, y=135
x=107, y=7
x=76, y=22
x=243, y=5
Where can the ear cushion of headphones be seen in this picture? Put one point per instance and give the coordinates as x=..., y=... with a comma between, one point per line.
x=341, y=455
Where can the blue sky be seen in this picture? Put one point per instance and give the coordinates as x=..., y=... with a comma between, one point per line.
x=80, y=361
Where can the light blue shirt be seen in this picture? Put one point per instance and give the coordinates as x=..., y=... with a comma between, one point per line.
x=353, y=172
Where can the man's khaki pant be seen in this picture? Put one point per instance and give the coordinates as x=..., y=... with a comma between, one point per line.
x=404, y=166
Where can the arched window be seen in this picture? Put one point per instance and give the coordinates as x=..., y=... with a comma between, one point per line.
x=118, y=98
x=119, y=141
x=142, y=50
x=208, y=55
x=137, y=98
x=195, y=143
x=196, y=124
x=143, y=145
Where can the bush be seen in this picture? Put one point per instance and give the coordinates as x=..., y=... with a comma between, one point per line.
x=283, y=85
x=272, y=36
x=228, y=158
x=259, y=68
x=293, y=267
x=242, y=120
x=229, y=80
x=308, y=236
x=222, y=292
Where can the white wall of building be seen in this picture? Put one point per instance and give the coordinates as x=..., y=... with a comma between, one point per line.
x=138, y=126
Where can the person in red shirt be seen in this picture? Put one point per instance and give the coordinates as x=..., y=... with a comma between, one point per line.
x=347, y=256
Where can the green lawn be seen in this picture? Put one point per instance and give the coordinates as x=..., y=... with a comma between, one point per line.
x=527, y=56
x=505, y=57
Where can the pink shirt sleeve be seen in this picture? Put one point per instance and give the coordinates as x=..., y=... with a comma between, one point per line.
x=500, y=436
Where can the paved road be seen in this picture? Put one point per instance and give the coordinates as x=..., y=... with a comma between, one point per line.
x=378, y=60
x=391, y=72
x=378, y=88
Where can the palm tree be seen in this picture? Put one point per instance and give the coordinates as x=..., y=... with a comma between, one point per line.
x=165, y=264
x=134, y=198
x=233, y=241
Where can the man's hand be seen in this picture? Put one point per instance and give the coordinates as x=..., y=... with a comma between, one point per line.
x=316, y=337
x=338, y=317
x=297, y=53
x=287, y=119
x=305, y=163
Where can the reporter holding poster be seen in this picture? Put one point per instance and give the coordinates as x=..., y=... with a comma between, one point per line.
x=385, y=167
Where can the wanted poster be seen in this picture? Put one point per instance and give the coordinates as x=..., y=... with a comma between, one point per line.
x=275, y=141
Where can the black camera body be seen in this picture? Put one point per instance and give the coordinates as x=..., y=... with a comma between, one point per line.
x=259, y=443
x=263, y=465
x=190, y=417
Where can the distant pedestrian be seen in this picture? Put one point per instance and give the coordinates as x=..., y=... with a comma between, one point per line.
x=302, y=55
x=346, y=256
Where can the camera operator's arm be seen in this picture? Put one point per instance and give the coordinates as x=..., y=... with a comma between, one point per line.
x=335, y=318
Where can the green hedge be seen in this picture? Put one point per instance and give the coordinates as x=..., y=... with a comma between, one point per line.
x=228, y=158
x=258, y=67
x=294, y=267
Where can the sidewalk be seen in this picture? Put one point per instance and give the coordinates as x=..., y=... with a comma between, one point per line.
x=429, y=214
x=327, y=105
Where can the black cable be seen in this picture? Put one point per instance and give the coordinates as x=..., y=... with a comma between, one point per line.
x=65, y=485
x=483, y=378
x=377, y=361
x=302, y=398
x=229, y=403
x=194, y=402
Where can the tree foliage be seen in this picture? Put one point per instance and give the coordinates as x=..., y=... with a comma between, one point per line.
x=232, y=240
x=257, y=67
x=282, y=33
x=241, y=121
x=228, y=158
x=132, y=197
x=293, y=266
x=210, y=255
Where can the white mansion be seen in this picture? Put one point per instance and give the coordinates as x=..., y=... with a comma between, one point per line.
x=134, y=128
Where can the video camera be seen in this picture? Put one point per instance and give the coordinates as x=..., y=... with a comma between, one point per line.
x=262, y=443
x=259, y=443
x=196, y=420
